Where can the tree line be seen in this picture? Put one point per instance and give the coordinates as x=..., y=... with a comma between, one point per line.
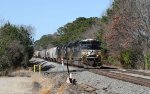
x=16, y=46
x=126, y=30
x=68, y=33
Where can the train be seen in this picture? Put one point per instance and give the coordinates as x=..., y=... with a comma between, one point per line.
x=80, y=53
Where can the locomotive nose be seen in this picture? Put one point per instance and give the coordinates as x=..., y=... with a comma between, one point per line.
x=91, y=52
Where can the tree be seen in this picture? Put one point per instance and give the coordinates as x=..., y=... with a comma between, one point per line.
x=44, y=42
x=128, y=28
x=76, y=30
x=16, y=46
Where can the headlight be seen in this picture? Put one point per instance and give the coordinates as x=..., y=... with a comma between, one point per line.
x=97, y=55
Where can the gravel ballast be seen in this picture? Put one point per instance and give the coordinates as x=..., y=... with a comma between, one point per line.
x=97, y=84
x=106, y=85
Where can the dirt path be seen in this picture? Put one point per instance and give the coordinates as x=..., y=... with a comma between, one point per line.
x=15, y=85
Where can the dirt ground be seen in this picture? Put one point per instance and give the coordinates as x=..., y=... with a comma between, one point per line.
x=15, y=85
x=27, y=82
x=17, y=82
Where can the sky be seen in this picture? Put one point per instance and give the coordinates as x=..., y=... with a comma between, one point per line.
x=46, y=16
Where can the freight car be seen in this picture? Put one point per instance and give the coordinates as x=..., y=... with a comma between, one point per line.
x=51, y=54
x=80, y=53
x=43, y=54
x=36, y=54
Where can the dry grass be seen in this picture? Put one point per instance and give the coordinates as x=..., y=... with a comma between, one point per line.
x=51, y=84
x=21, y=73
x=46, y=84
x=37, y=79
x=62, y=88
x=45, y=90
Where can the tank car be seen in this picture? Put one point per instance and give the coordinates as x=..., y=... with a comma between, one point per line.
x=43, y=54
x=52, y=54
x=36, y=54
x=47, y=54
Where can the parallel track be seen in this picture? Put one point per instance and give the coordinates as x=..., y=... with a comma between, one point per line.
x=136, y=72
x=123, y=77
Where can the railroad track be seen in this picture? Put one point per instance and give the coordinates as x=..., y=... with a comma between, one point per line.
x=121, y=74
x=118, y=74
x=136, y=72
x=123, y=77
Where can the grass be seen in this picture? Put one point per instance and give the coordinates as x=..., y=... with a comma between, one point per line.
x=62, y=88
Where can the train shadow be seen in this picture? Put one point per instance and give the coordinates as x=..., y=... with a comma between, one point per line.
x=108, y=67
x=65, y=71
x=79, y=70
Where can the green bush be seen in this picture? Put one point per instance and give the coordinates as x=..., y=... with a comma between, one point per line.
x=131, y=58
x=15, y=46
x=147, y=59
x=126, y=58
x=104, y=19
x=111, y=60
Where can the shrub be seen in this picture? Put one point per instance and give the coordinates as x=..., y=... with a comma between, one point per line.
x=104, y=19
x=126, y=58
x=131, y=58
x=111, y=60
x=15, y=46
x=147, y=59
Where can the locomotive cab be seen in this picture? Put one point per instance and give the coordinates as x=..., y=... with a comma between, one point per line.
x=91, y=52
x=86, y=52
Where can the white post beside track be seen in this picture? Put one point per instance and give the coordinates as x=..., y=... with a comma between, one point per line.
x=62, y=63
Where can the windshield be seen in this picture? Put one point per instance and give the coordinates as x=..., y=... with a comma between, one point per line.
x=94, y=45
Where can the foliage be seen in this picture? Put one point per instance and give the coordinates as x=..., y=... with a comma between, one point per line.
x=111, y=60
x=147, y=59
x=44, y=42
x=125, y=26
x=130, y=58
x=116, y=5
x=126, y=58
x=15, y=46
x=110, y=12
x=73, y=31
x=68, y=33
x=104, y=19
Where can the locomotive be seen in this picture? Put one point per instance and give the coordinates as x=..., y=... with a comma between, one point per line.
x=79, y=53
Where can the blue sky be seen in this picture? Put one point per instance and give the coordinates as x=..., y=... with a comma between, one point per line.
x=46, y=16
